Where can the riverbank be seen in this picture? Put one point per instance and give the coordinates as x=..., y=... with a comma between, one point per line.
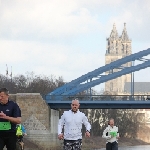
x=99, y=142
x=92, y=143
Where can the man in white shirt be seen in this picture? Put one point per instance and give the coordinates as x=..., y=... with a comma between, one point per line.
x=72, y=121
x=111, y=135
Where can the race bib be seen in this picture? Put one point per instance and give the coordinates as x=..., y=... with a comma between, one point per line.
x=5, y=126
x=113, y=134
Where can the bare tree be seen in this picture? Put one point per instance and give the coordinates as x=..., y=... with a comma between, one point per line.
x=31, y=83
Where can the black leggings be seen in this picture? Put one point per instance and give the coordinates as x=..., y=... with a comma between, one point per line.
x=20, y=138
x=112, y=146
x=8, y=139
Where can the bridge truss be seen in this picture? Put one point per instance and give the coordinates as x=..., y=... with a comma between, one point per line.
x=98, y=76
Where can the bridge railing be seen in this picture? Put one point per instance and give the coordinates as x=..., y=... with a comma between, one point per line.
x=98, y=97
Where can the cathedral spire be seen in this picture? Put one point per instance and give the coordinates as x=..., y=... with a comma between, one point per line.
x=114, y=27
x=124, y=26
x=112, y=41
x=114, y=33
x=124, y=35
x=118, y=45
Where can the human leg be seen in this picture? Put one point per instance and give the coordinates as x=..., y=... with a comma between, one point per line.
x=77, y=145
x=20, y=138
x=67, y=145
x=115, y=146
x=2, y=144
x=21, y=142
x=108, y=146
x=11, y=141
x=72, y=144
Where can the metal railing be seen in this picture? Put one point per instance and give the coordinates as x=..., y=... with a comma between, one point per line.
x=98, y=97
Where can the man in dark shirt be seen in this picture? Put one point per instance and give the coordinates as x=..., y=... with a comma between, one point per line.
x=10, y=115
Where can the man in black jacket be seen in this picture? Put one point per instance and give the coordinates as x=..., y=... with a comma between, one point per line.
x=10, y=115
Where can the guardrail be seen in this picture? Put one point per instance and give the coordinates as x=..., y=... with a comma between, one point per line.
x=98, y=97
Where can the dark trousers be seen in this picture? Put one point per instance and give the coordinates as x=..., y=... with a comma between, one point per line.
x=20, y=138
x=8, y=139
x=72, y=144
x=112, y=146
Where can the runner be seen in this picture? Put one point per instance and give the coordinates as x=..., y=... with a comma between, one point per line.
x=111, y=135
x=10, y=115
x=72, y=121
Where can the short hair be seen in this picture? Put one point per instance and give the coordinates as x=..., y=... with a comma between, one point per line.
x=109, y=120
x=76, y=99
x=5, y=90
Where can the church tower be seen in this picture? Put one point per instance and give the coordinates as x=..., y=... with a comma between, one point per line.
x=117, y=48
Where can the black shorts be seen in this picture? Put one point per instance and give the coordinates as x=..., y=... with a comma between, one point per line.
x=72, y=144
x=8, y=139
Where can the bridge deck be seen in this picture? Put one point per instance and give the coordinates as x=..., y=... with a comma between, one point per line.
x=101, y=104
x=100, y=101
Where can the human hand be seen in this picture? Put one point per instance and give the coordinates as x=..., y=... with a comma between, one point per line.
x=87, y=134
x=110, y=136
x=61, y=136
x=2, y=115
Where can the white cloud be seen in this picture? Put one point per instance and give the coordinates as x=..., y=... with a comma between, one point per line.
x=48, y=59
x=45, y=19
x=11, y=51
x=49, y=36
x=137, y=19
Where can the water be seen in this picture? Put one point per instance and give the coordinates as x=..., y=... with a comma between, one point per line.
x=141, y=147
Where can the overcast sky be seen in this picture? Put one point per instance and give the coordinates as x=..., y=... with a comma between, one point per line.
x=67, y=37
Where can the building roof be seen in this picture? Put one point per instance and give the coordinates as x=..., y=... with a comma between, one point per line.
x=139, y=87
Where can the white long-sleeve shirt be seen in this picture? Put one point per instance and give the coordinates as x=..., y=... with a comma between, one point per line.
x=72, y=123
x=107, y=135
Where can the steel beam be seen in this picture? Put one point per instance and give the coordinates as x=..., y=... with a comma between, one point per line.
x=101, y=104
x=97, y=72
x=108, y=77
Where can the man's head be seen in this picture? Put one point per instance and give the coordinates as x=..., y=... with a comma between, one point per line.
x=4, y=94
x=111, y=122
x=75, y=105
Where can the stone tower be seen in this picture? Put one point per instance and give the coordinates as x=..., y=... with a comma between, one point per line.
x=117, y=48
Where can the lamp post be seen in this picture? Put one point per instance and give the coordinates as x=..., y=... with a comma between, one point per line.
x=132, y=81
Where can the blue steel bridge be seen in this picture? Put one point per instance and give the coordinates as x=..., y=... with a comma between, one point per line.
x=62, y=96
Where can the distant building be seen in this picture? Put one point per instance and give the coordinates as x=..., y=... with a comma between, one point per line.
x=139, y=87
x=117, y=48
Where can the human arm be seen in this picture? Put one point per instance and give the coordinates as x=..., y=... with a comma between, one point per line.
x=117, y=136
x=87, y=125
x=16, y=120
x=60, y=127
x=23, y=130
x=117, y=133
x=14, y=116
x=105, y=134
